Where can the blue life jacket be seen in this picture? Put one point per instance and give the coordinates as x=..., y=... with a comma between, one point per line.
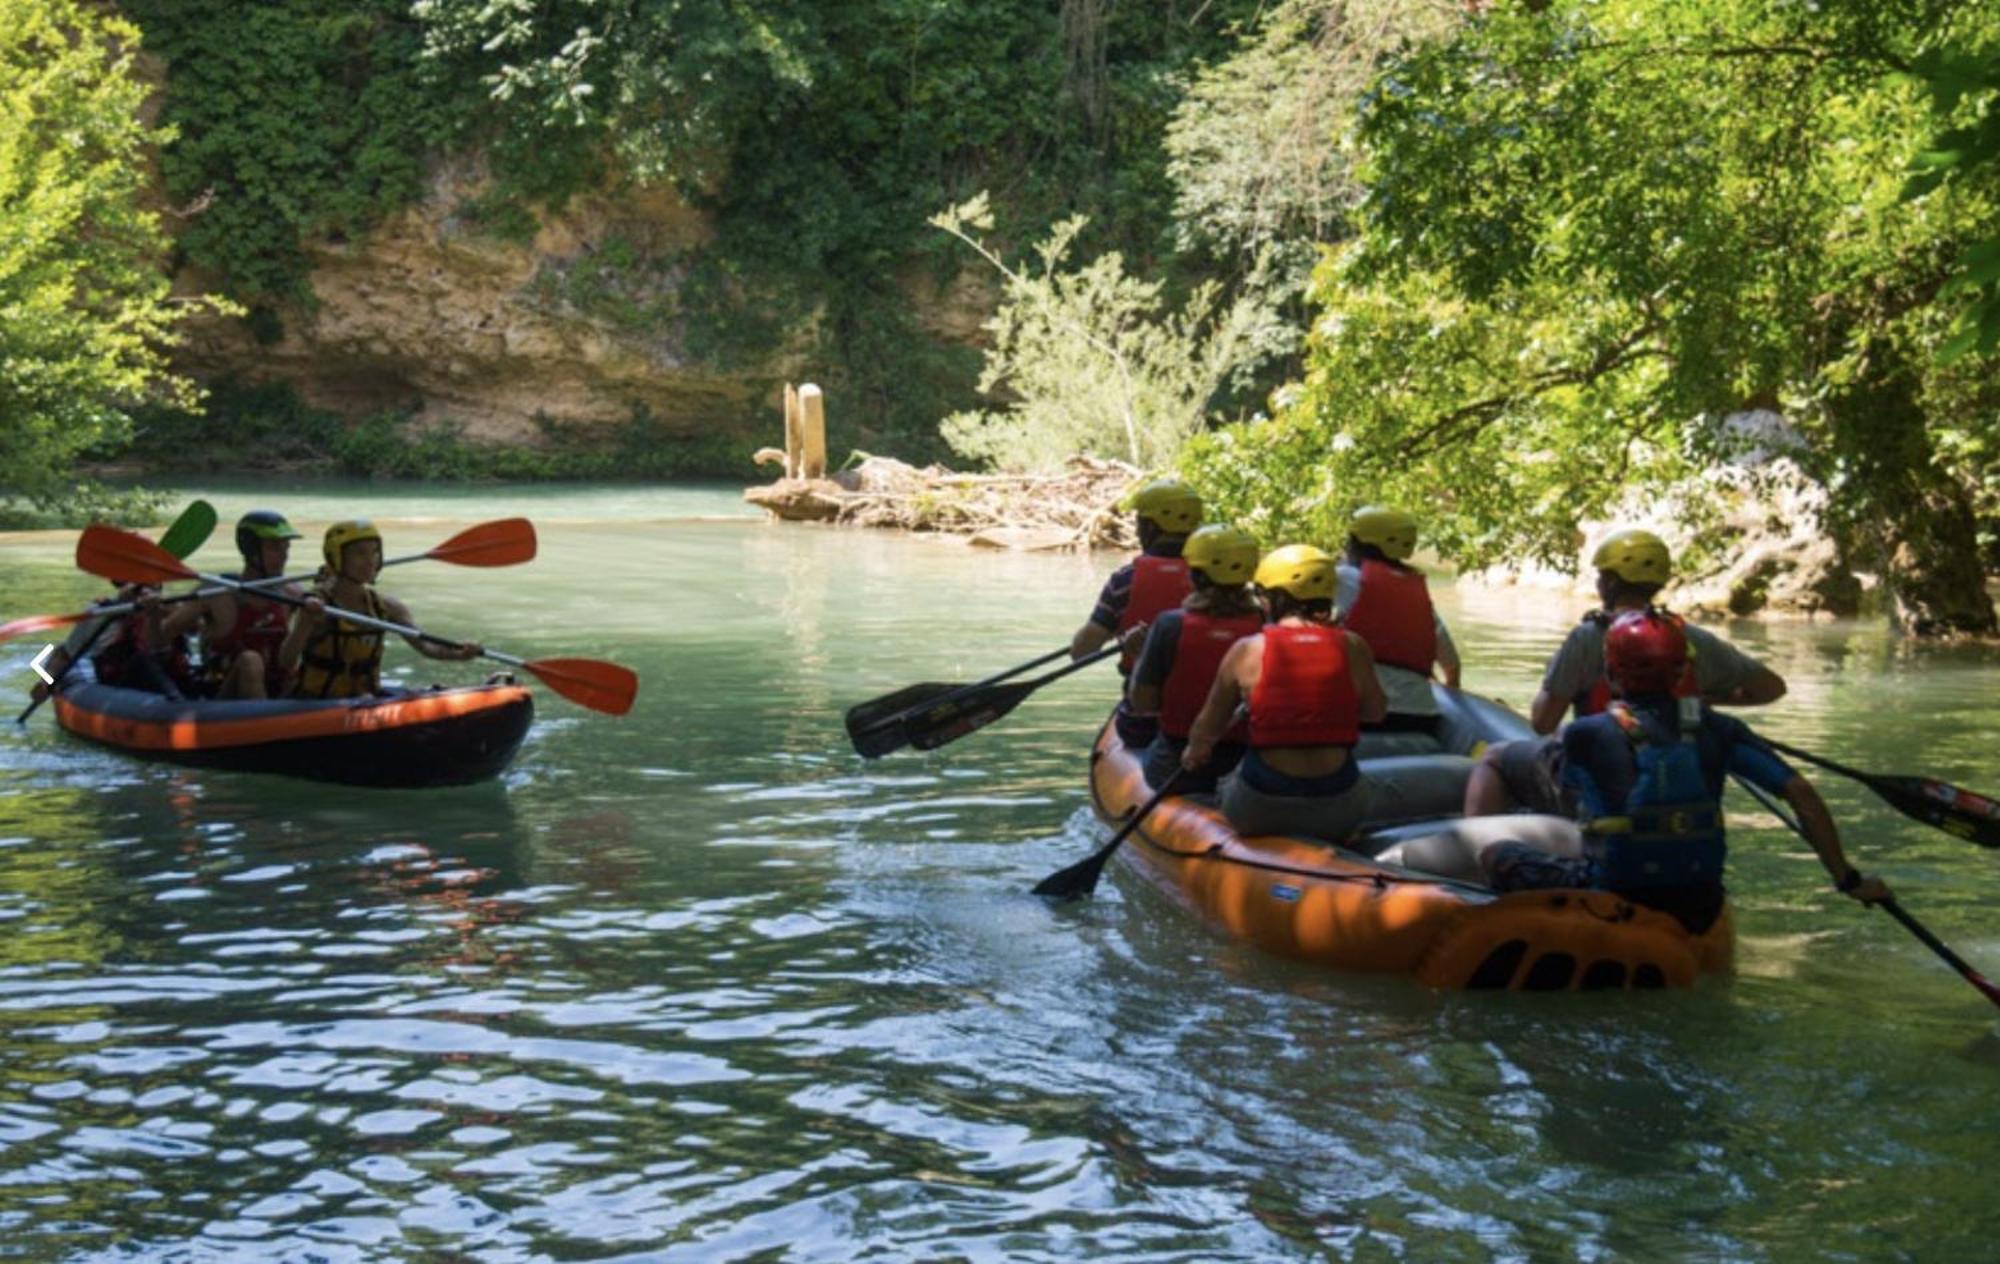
x=1670, y=831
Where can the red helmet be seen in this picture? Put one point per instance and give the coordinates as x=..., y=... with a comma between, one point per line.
x=1645, y=651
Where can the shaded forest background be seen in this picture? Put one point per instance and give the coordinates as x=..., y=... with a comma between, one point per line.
x=1517, y=263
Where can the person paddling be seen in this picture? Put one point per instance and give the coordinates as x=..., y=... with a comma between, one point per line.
x=1632, y=565
x=1309, y=686
x=331, y=658
x=241, y=634
x=133, y=650
x=1386, y=602
x=1183, y=647
x=1165, y=510
x=1647, y=775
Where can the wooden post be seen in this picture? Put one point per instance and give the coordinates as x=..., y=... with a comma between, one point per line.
x=792, y=451
x=812, y=427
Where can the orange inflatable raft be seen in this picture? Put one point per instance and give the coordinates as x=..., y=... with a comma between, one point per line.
x=1338, y=908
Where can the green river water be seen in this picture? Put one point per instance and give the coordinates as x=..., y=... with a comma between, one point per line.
x=699, y=984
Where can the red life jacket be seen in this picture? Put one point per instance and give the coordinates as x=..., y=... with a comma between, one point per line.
x=260, y=625
x=116, y=664
x=1204, y=639
x=1158, y=584
x=1392, y=612
x=1304, y=696
x=1598, y=697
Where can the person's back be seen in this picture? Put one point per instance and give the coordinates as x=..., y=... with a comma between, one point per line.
x=1308, y=686
x=1386, y=601
x=1184, y=648
x=1165, y=511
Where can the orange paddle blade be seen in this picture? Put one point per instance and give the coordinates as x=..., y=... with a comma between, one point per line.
x=505, y=542
x=588, y=682
x=125, y=558
x=39, y=623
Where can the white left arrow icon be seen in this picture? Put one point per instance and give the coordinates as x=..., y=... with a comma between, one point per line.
x=39, y=659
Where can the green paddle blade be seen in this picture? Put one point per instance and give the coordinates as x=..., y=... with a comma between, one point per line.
x=191, y=530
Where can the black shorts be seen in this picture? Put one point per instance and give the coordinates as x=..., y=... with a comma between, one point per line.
x=1519, y=867
x=1531, y=769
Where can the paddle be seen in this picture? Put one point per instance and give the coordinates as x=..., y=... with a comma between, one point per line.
x=1986, y=987
x=1080, y=879
x=963, y=711
x=182, y=537
x=503, y=542
x=866, y=718
x=128, y=558
x=1958, y=812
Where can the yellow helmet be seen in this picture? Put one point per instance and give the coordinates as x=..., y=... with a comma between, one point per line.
x=1303, y=571
x=1227, y=555
x=1635, y=556
x=1390, y=530
x=342, y=534
x=1168, y=504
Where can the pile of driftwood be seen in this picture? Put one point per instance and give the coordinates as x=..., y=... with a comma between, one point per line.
x=1074, y=509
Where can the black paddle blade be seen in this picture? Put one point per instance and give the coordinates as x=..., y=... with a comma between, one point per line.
x=881, y=714
x=953, y=717
x=1961, y=813
x=1080, y=879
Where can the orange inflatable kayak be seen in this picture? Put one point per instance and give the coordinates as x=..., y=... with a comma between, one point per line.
x=439, y=737
x=1338, y=908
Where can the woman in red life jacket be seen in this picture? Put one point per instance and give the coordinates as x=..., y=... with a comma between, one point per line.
x=1386, y=602
x=1176, y=667
x=1309, y=687
x=1139, y=591
x=241, y=634
x=1632, y=567
x=132, y=653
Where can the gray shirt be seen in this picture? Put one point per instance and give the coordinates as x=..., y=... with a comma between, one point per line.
x=1407, y=692
x=1719, y=667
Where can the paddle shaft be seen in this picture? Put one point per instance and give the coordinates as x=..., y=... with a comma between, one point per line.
x=1944, y=953
x=947, y=694
x=83, y=652
x=1080, y=879
x=217, y=587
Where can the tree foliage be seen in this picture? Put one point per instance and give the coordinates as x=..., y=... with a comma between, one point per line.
x=1592, y=232
x=1091, y=360
x=85, y=315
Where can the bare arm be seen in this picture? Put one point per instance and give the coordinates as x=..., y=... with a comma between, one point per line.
x=189, y=615
x=400, y=613
x=1546, y=712
x=1816, y=823
x=1447, y=655
x=1089, y=639
x=1374, y=704
x=304, y=621
x=1762, y=686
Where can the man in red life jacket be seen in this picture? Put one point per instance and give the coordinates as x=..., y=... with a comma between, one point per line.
x=241, y=634
x=1385, y=601
x=1137, y=592
x=1632, y=567
x=1309, y=687
x=1183, y=647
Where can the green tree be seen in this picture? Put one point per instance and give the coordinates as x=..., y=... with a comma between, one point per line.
x=85, y=313
x=1593, y=231
x=1091, y=359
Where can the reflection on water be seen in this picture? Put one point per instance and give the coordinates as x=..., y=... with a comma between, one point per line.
x=699, y=984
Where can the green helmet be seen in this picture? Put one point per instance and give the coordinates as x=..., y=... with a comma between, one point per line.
x=1168, y=504
x=257, y=526
x=1226, y=555
x=1390, y=530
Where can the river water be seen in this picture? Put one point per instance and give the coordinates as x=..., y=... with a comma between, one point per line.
x=699, y=984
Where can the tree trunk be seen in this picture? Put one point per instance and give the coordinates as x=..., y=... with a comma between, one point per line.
x=1919, y=518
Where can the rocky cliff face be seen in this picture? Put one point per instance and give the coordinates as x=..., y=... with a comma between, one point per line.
x=436, y=315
